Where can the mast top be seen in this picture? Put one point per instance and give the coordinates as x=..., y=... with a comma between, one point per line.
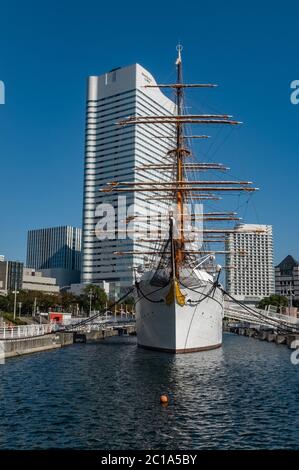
x=179, y=48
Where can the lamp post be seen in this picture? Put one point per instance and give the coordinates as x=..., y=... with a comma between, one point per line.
x=90, y=301
x=291, y=300
x=34, y=306
x=20, y=309
x=15, y=292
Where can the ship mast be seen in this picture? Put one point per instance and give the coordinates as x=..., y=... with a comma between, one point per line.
x=173, y=185
x=179, y=252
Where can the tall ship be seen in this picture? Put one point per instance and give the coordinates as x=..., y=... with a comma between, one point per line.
x=179, y=298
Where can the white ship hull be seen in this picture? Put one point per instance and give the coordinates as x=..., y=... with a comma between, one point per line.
x=175, y=328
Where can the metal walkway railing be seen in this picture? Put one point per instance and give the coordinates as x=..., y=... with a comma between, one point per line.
x=259, y=317
x=25, y=331
x=98, y=324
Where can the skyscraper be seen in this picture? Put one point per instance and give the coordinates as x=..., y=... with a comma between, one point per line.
x=114, y=153
x=11, y=275
x=56, y=252
x=251, y=274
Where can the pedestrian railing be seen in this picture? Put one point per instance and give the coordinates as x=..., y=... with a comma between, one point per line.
x=99, y=323
x=254, y=315
x=24, y=331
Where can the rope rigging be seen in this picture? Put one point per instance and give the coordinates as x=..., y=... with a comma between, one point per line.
x=96, y=315
x=137, y=284
x=281, y=326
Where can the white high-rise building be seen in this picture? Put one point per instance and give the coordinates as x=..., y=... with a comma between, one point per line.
x=114, y=153
x=250, y=276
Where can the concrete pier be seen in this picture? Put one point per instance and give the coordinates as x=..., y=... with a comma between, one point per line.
x=270, y=337
x=264, y=335
x=291, y=339
x=12, y=346
x=64, y=338
x=280, y=339
x=92, y=336
x=98, y=335
x=18, y=347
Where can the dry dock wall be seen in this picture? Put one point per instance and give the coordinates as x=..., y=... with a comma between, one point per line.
x=18, y=347
x=265, y=335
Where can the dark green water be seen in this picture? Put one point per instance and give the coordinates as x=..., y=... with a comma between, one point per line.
x=106, y=396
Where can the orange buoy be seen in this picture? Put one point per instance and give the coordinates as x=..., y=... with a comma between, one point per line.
x=164, y=399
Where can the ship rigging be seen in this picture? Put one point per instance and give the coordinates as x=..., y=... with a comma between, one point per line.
x=179, y=301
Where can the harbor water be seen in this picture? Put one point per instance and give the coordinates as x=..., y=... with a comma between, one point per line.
x=105, y=395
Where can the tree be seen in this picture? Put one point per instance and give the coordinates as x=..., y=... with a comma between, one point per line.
x=65, y=301
x=129, y=301
x=275, y=300
x=3, y=303
x=44, y=301
x=96, y=295
x=69, y=302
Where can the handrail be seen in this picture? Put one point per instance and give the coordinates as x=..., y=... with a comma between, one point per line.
x=236, y=311
x=24, y=331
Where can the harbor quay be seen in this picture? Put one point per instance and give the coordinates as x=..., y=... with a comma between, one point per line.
x=21, y=340
x=26, y=339
x=267, y=334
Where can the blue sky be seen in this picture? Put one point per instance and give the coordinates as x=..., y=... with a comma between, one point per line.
x=47, y=49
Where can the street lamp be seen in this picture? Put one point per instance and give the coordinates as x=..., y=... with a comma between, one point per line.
x=15, y=292
x=90, y=300
x=34, y=307
x=291, y=300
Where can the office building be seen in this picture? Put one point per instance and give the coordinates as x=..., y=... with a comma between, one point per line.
x=250, y=273
x=35, y=281
x=11, y=275
x=56, y=252
x=114, y=153
x=287, y=278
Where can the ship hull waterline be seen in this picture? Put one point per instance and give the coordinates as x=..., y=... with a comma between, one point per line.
x=195, y=326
